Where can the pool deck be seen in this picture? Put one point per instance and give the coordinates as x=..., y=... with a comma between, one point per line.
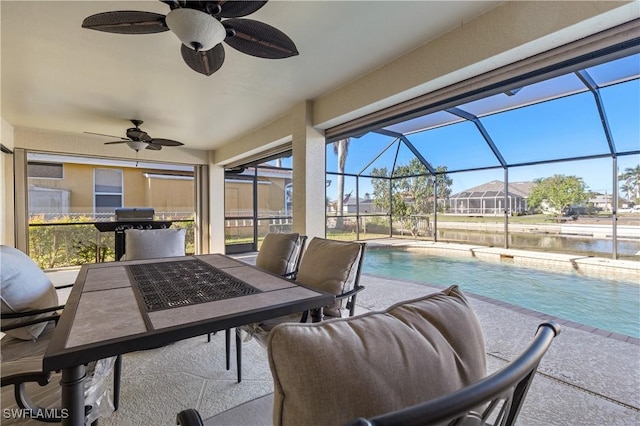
x=588, y=377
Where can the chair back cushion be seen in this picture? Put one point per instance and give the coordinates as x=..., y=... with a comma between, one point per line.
x=336, y=371
x=154, y=243
x=24, y=287
x=278, y=253
x=330, y=266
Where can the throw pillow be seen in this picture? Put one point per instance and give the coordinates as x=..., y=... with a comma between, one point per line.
x=24, y=287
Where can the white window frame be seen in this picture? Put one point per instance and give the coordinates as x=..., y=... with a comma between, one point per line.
x=96, y=193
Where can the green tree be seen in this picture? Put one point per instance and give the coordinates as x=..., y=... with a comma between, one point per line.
x=631, y=178
x=417, y=186
x=558, y=192
x=411, y=190
x=628, y=190
x=381, y=188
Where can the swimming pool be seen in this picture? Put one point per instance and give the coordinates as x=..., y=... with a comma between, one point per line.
x=611, y=305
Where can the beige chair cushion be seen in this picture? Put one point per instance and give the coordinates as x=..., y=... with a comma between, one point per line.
x=24, y=287
x=333, y=372
x=278, y=253
x=330, y=266
x=153, y=243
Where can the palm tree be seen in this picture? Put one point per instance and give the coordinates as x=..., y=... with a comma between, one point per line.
x=341, y=149
x=631, y=176
x=627, y=189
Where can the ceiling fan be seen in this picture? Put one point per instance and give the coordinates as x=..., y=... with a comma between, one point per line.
x=201, y=29
x=138, y=139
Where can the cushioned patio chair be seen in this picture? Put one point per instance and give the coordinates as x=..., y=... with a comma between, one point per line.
x=327, y=265
x=420, y=362
x=280, y=254
x=30, y=311
x=153, y=243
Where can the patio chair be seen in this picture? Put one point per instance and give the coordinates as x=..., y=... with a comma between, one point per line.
x=30, y=311
x=153, y=243
x=331, y=266
x=420, y=362
x=280, y=254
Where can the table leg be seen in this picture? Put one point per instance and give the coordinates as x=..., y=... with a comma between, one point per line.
x=317, y=315
x=72, y=384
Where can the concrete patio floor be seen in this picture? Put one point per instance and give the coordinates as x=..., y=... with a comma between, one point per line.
x=586, y=378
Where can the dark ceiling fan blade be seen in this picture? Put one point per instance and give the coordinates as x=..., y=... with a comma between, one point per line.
x=114, y=142
x=206, y=62
x=109, y=136
x=258, y=39
x=153, y=146
x=164, y=142
x=126, y=22
x=236, y=9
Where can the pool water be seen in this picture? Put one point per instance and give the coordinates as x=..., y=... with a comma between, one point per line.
x=606, y=304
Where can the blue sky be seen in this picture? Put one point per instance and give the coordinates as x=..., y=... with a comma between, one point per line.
x=565, y=127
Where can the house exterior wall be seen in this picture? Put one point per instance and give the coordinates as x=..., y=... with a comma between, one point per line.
x=164, y=195
x=167, y=195
x=239, y=197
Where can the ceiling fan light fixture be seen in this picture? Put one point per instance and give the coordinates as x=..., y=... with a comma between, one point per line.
x=195, y=29
x=136, y=145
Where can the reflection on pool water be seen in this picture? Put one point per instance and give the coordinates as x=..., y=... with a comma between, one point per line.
x=607, y=304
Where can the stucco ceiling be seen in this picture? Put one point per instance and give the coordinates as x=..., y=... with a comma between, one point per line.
x=57, y=76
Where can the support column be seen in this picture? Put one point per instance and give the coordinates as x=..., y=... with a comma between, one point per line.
x=309, y=153
x=7, y=213
x=614, y=209
x=216, y=208
x=7, y=210
x=506, y=208
x=21, y=200
x=202, y=229
x=435, y=208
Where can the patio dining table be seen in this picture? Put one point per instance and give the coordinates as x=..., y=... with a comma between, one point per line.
x=120, y=307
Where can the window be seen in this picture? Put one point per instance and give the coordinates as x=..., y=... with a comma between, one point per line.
x=44, y=170
x=107, y=189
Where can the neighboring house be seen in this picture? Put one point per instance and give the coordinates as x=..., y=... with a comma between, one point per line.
x=49, y=201
x=60, y=185
x=274, y=193
x=366, y=206
x=65, y=186
x=603, y=202
x=488, y=199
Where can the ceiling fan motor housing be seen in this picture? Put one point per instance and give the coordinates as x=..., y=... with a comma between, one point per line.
x=136, y=134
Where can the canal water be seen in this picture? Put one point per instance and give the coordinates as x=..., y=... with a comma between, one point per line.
x=546, y=242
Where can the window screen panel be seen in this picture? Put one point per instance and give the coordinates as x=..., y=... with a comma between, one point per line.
x=108, y=181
